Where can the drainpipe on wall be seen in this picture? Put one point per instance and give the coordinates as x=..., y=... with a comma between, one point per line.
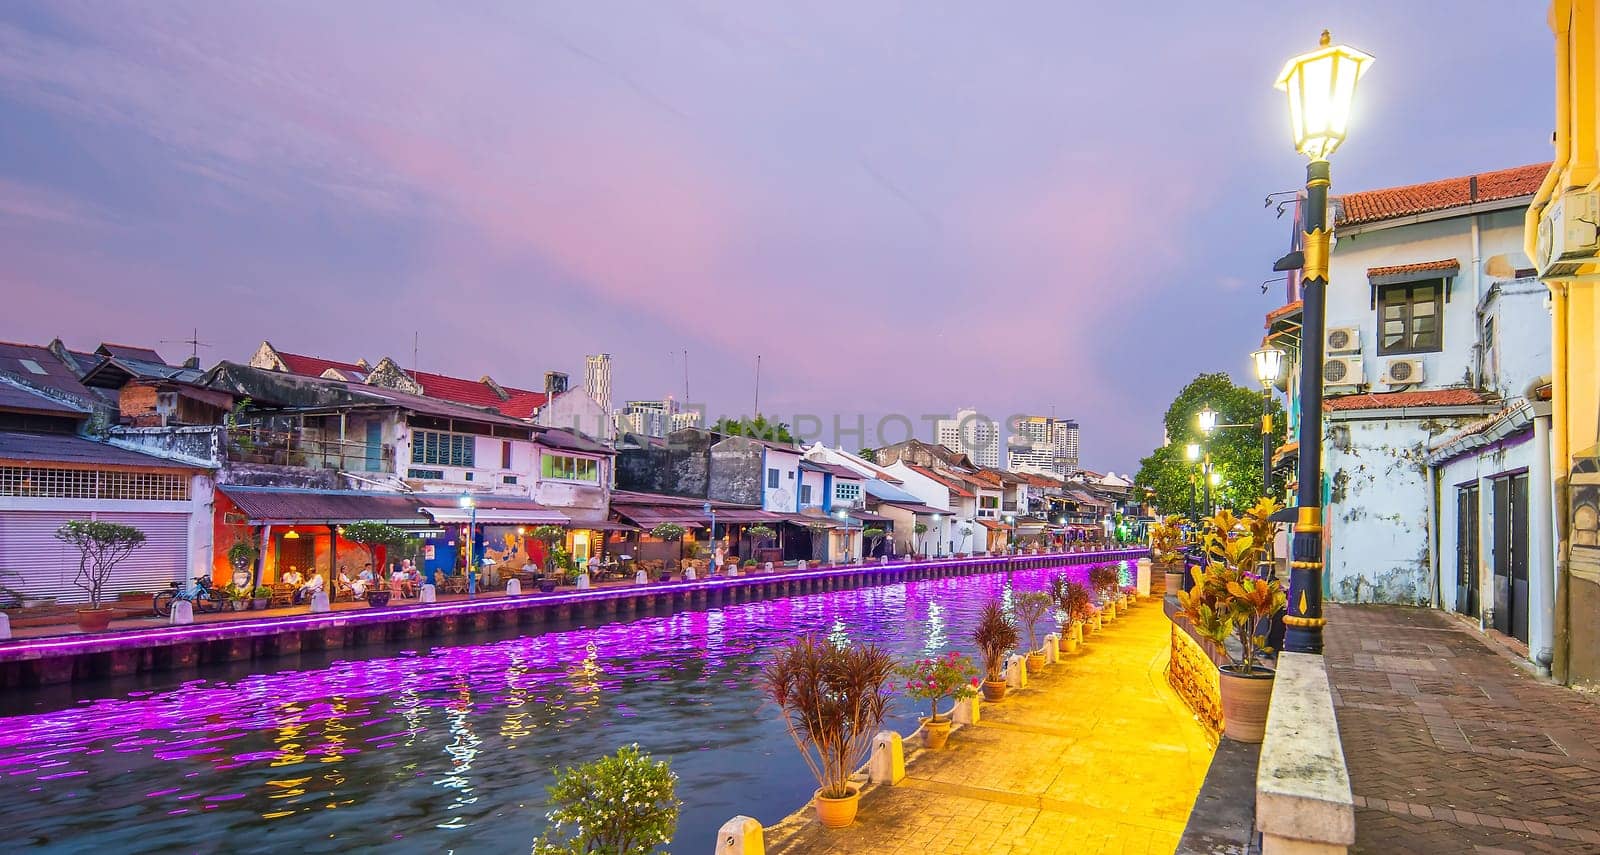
x=1434, y=521
x=1541, y=645
x=1477, y=291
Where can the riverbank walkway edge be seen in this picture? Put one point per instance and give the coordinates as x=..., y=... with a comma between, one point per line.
x=1097, y=754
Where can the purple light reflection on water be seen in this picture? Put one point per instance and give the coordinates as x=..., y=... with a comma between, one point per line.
x=452, y=746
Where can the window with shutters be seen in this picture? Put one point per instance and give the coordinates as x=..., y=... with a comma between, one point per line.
x=1409, y=317
x=92, y=484
x=437, y=448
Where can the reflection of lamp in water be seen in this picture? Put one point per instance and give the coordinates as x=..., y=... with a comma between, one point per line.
x=836, y=634
x=936, y=635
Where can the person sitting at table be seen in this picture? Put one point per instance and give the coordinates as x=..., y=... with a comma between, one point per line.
x=366, y=578
x=358, y=586
x=292, y=577
x=400, y=583
x=310, y=588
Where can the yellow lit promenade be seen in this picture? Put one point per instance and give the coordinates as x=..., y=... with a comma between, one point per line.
x=1098, y=754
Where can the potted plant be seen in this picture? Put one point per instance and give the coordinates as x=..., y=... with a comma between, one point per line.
x=1103, y=579
x=761, y=537
x=238, y=597
x=1073, y=600
x=966, y=537
x=749, y=564
x=370, y=535
x=872, y=536
x=950, y=676
x=551, y=536
x=1229, y=600
x=919, y=530
x=670, y=532
x=242, y=553
x=1167, y=540
x=995, y=636
x=833, y=699
x=101, y=547
x=1031, y=607
x=624, y=803
x=260, y=598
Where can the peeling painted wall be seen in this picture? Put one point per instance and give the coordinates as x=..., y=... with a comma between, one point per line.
x=1378, y=526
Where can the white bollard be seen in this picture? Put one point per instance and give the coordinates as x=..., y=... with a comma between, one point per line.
x=1016, y=671
x=800, y=566
x=641, y=578
x=740, y=836
x=883, y=559
x=1142, y=577
x=768, y=566
x=514, y=587
x=583, y=581
x=182, y=613
x=5, y=627
x=887, y=764
x=1051, y=652
x=688, y=575
x=319, y=603
x=429, y=594
x=733, y=570
x=967, y=710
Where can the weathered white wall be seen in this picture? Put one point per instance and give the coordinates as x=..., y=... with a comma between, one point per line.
x=1350, y=294
x=785, y=497
x=1377, y=521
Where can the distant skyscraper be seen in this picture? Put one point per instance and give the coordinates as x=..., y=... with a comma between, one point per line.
x=1043, y=444
x=655, y=418
x=597, y=379
x=971, y=434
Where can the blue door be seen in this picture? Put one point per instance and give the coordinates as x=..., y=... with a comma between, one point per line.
x=374, y=446
x=439, y=556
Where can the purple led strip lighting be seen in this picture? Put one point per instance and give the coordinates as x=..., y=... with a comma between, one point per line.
x=28, y=649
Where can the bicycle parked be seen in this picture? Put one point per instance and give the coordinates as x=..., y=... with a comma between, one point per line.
x=202, y=595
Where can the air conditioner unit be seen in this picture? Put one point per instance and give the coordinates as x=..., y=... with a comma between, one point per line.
x=1402, y=372
x=1342, y=340
x=1342, y=371
x=1569, y=234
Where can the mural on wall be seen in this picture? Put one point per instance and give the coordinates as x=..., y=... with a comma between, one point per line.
x=509, y=547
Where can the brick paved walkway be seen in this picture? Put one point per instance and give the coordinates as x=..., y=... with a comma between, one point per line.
x=1451, y=747
x=1097, y=755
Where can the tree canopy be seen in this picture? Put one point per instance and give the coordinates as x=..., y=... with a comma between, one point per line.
x=1235, y=452
x=759, y=427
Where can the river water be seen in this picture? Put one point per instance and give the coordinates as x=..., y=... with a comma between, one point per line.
x=434, y=749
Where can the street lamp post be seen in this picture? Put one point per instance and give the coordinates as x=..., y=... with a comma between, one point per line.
x=1192, y=452
x=1269, y=364
x=1208, y=423
x=472, y=537
x=1321, y=86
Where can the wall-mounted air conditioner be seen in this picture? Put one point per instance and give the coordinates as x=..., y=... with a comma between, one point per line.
x=1342, y=371
x=1342, y=340
x=1569, y=234
x=1402, y=372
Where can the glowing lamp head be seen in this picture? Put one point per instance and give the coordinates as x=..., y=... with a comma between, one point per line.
x=467, y=502
x=1192, y=451
x=1208, y=420
x=1216, y=479
x=1269, y=364
x=1321, y=86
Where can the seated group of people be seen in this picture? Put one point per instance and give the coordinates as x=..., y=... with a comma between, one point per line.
x=403, y=581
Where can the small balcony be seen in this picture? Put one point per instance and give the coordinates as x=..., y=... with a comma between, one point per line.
x=302, y=449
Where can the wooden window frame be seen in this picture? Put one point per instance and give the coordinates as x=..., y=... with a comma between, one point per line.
x=1409, y=316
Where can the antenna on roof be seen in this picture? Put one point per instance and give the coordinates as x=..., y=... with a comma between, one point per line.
x=686, y=375
x=193, y=341
x=757, y=411
x=415, y=338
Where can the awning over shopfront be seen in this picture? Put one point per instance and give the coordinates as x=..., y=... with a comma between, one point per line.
x=491, y=510
x=994, y=526
x=810, y=520
x=868, y=516
x=647, y=518
x=917, y=508
x=271, y=506
x=648, y=510
x=744, y=517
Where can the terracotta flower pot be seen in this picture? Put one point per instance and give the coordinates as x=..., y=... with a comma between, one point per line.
x=1069, y=642
x=994, y=690
x=1244, y=703
x=1035, y=663
x=95, y=620
x=935, y=732
x=837, y=813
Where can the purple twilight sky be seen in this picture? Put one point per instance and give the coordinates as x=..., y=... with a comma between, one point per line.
x=903, y=207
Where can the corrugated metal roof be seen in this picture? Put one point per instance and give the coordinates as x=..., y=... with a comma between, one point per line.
x=833, y=469
x=37, y=365
x=885, y=492
x=17, y=398
x=263, y=505
x=43, y=448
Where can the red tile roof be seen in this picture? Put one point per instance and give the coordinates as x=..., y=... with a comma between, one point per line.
x=313, y=366
x=521, y=405
x=1284, y=311
x=1371, y=206
x=1441, y=265
x=954, y=486
x=1395, y=400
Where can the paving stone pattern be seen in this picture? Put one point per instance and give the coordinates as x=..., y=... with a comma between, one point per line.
x=1096, y=755
x=1452, y=747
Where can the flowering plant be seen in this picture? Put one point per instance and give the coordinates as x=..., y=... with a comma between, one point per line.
x=949, y=676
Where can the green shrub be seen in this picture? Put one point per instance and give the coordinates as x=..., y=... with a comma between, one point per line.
x=624, y=804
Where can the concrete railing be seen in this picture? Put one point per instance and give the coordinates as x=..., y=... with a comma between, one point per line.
x=1303, y=801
